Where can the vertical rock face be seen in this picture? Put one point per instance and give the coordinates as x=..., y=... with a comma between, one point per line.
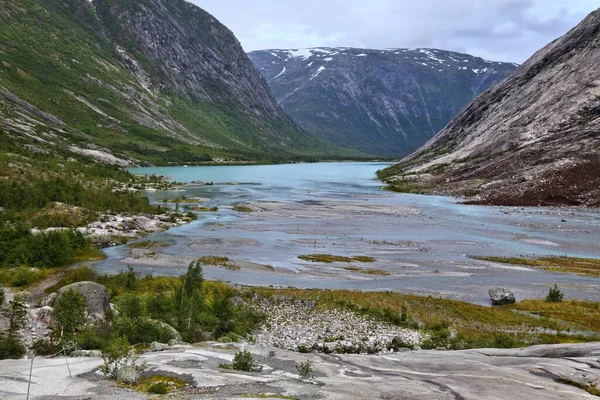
x=191, y=53
x=533, y=139
x=383, y=102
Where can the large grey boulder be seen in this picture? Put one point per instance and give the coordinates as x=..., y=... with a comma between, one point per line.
x=95, y=295
x=501, y=296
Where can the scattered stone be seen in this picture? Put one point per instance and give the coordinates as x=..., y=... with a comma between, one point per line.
x=303, y=326
x=501, y=296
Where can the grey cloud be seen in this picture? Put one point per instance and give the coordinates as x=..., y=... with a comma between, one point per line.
x=504, y=30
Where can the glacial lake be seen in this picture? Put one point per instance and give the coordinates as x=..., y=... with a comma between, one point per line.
x=421, y=244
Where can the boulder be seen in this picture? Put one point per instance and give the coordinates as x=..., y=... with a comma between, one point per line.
x=49, y=300
x=95, y=295
x=128, y=375
x=176, y=335
x=155, y=346
x=501, y=296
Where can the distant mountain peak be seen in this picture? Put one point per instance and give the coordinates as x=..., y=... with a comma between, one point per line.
x=380, y=101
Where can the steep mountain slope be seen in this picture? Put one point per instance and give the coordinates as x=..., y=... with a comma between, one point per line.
x=533, y=139
x=155, y=80
x=383, y=102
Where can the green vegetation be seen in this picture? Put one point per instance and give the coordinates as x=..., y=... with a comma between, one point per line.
x=117, y=355
x=243, y=361
x=555, y=295
x=20, y=247
x=570, y=265
x=11, y=348
x=69, y=312
x=219, y=262
x=16, y=314
x=329, y=258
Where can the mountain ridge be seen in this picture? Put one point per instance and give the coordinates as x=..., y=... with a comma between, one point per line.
x=148, y=80
x=531, y=140
x=383, y=102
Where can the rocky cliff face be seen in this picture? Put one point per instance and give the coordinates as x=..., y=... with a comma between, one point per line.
x=533, y=139
x=155, y=80
x=382, y=102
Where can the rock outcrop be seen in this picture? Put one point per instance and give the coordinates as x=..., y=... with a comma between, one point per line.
x=381, y=102
x=533, y=139
x=500, y=297
x=96, y=296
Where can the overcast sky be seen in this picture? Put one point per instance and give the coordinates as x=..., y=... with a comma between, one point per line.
x=501, y=30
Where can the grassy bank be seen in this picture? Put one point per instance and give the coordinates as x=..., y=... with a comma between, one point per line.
x=570, y=265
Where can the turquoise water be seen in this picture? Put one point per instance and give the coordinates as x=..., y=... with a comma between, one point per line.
x=428, y=253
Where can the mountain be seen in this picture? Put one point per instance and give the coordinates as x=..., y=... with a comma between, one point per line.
x=154, y=80
x=381, y=102
x=534, y=139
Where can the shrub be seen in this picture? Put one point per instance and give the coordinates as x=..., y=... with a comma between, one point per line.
x=504, y=341
x=555, y=295
x=11, y=348
x=117, y=355
x=42, y=347
x=131, y=279
x=243, y=361
x=305, y=369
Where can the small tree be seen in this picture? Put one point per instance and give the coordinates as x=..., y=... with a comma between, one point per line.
x=2, y=296
x=189, y=301
x=16, y=313
x=69, y=311
x=243, y=361
x=555, y=295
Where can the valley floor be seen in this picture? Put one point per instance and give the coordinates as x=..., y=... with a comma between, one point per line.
x=540, y=372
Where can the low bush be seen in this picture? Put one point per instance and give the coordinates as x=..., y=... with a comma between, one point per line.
x=243, y=361
x=11, y=348
x=555, y=295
